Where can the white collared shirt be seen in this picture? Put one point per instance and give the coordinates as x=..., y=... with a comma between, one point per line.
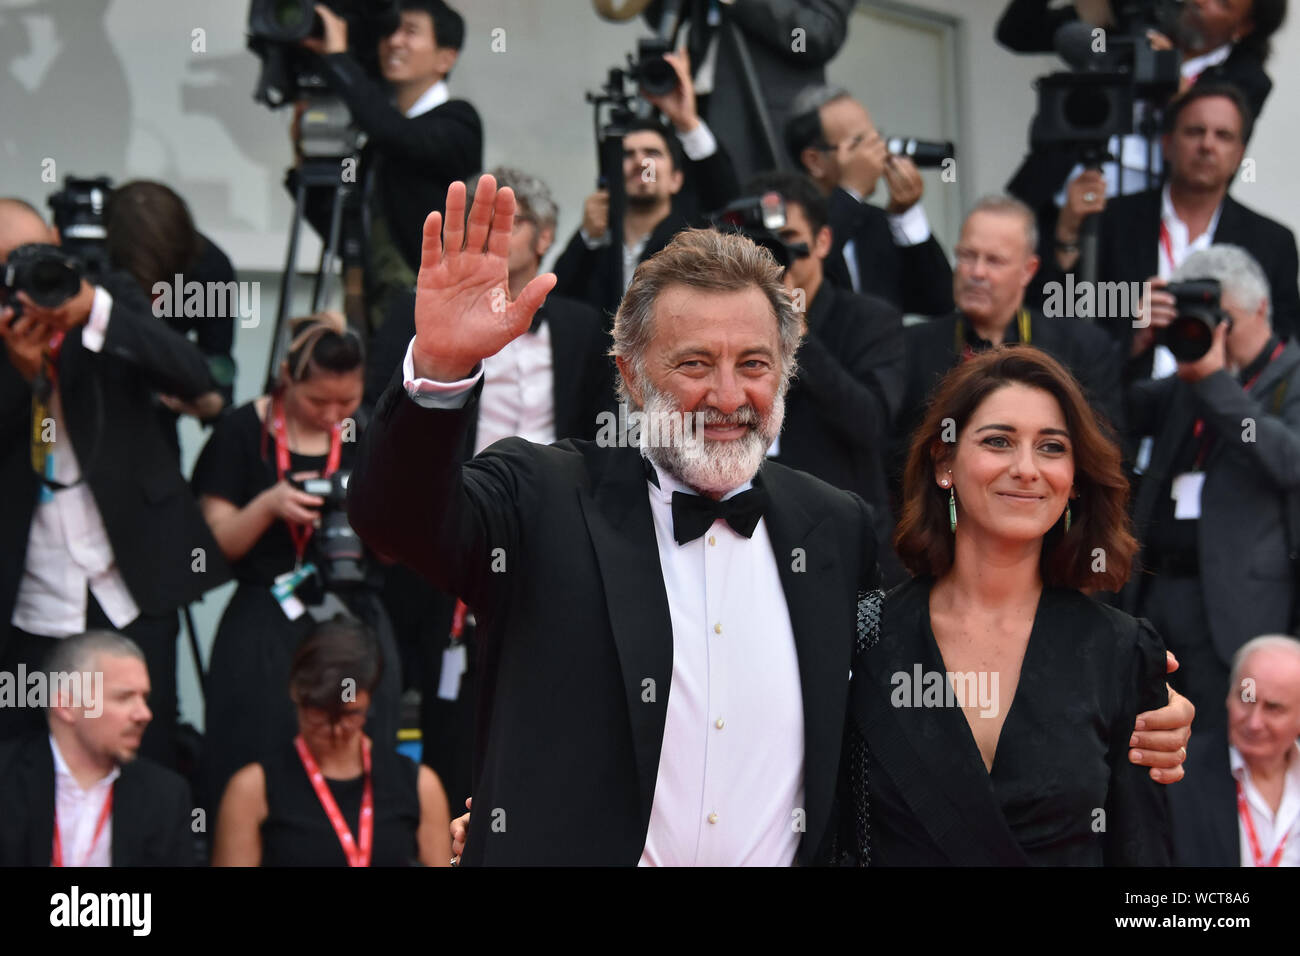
x=1270, y=828
x=729, y=791
x=519, y=391
x=909, y=228
x=433, y=97
x=77, y=812
x=67, y=545
x=1180, y=247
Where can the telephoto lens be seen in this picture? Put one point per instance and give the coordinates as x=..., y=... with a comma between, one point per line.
x=925, y=153
x=1191, y=332
x=46, y=273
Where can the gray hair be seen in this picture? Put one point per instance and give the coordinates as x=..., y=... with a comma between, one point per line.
x=709, y=260
x=813, y=98
x=1267, y=642
x=1004, y=205
x=79, y=653
x=1239, y=274
x=532, y=195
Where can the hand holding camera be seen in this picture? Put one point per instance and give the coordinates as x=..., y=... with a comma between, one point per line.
x=25, y=339
x=335, y=33
x=595, y=214
x=678, y=103
x=1215, y=359
x=905, y=184
x=287, y=500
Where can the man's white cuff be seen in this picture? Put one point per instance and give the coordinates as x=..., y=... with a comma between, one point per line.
x=92, y=336
x=427, y=393
x=910, y=228
x=699, y=143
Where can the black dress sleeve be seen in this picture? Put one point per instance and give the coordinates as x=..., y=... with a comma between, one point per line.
x=222, y=470
x=1136, y=814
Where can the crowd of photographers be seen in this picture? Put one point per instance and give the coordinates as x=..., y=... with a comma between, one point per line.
x=1196, y=377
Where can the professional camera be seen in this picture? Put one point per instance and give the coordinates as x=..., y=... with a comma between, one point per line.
x=655, y=74
x=79, y=216
x=760, y=219
x=276, y=29
x=336, y=548
x=924, y=153
x=1189, y=335
x=46, y=273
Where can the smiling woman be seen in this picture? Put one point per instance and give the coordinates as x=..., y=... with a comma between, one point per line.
x=1014, y=504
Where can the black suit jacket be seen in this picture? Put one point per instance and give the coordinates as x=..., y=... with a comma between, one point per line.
x=916, y=279
x=1203, y=816
x=151, y=810
x=582, y=374
x=592, y=275
x=152, y=520
x=840, y=409
x=417, y=158
x=1128, y=243
x=576, y=622
x=1028, y=26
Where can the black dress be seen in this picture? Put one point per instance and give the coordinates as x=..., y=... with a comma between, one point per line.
x=297, y=831
x=247, y=700
x=1062, y=791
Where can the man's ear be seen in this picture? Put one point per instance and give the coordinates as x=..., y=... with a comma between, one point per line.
x=629, y=380
x=813, y=162
x=676, y=182
x=444, y=58
x=1031, y=270
x=822, y=243
x=543, y=241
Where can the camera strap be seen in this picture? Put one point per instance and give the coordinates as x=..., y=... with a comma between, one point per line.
x=962, y=347
x=300, y=533
x=43, y=388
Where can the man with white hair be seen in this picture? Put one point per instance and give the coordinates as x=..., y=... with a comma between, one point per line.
x=1213, y=508
x=79, y=794
x=1252, y=778
x=665, y=629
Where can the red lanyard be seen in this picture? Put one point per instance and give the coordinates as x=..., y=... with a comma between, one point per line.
x=301, y=534
x=1199, y=428
x=1168, y=246
x=56, y=858
x=356, y=856
x=1243, y=811
x=458, y=620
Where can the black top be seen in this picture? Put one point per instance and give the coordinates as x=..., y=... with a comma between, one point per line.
x=236, y=465
x=297, y=831
x=1062, y=790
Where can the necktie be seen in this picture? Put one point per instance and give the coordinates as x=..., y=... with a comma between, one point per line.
x=694, y=514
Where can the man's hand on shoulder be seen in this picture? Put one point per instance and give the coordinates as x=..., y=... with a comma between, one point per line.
x=463, y=311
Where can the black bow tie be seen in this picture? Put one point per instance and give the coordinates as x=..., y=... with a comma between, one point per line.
x=694, y=514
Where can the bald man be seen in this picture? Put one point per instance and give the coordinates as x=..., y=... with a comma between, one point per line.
x=99, y=529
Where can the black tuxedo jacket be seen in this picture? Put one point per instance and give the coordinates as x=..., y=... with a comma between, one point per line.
x=151, y=810
x=1128, y=244
x=582, y=374
x=592, y=275
x=1203, y=817
x=417, y=158
x=916, y=279
x=152, y=520
x=554, y=548
x=840, y=410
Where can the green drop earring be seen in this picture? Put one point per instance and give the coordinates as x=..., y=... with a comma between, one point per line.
x=952, y=504
x=1067, y=517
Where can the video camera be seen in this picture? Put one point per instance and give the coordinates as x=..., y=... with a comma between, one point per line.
x=760, y=219
x=1200, y=311
x=926, y=154
x=80, y=216
x=338, y=552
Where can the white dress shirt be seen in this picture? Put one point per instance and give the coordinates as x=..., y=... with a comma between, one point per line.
x=1180, y=247
x=434, y=96
x=77, y=812
x=1270, y=828
x=519, y=391
x=909, y=228
x=67, y=545
x=730, y=782
x=729, y=789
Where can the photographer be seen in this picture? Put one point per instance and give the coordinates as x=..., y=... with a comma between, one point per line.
x=1219, y=42
x=247, y=482
x=669, y=181
x=419, y=140
x=151, y=235
x=1146, y=236
x=1212, y=508
x=891, y=253
x=98, y=529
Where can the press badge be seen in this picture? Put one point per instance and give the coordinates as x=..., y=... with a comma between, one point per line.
x=1186, y=493
x=455, y=662
x=284, y=586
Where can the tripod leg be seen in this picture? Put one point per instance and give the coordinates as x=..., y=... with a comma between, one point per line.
x=329, y=253
x=286, y=283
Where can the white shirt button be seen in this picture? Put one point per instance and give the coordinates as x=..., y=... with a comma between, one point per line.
x=713, y=818
x=717, y=628
x=712, y=540
x=718, y=723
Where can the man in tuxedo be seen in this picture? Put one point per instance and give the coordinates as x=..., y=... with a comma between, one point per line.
x=669, y=181
x=841, y=406
x=418, y=138
x=77, y=793
x=549, y=384
x=1216, y=509
x=666, y=632
x=995, y=263
x=1243, y=808
x=889, y=253
x=1146, y=236
x=99, y=528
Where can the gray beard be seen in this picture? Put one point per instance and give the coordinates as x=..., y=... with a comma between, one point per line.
x=711, y=467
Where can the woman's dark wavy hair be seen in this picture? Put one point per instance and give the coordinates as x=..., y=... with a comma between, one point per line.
x=1099, y=516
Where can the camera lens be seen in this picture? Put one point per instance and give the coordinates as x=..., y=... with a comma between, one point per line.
x=52, y=283
x=657, y=76
x=1190, y=334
